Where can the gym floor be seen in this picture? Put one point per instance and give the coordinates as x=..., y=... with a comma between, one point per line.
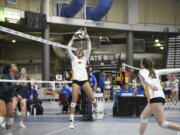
x=54, y=124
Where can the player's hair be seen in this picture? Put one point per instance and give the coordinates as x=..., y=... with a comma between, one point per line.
x=149, y=64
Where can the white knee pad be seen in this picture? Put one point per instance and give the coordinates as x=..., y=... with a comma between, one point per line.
x=93, y=101
x=165, y=124
x=1, y=120
x=73, y=104
x=144, y=120
x=9, y=121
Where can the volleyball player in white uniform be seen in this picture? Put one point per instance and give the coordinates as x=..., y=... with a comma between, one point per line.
x=167, y=88
x=80, y=76
x=175, y=89
x=149, y=78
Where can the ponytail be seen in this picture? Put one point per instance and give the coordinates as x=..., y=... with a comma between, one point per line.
x=152, y=73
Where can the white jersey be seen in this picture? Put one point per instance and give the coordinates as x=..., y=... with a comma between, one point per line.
x=134, y=84
x=107, y=85
x=167, y=85
x=79, y=64
x=174, y=85
x=146, y=80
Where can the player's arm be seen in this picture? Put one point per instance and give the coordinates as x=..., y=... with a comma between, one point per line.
x=89, y=47
x=168, y=71
x=71, y=55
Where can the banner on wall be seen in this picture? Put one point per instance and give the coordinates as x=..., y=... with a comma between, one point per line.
x=104, y=57
x=59, y=77
x=2, y=16
x=10, y=15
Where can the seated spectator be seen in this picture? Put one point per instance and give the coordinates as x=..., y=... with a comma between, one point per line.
x=126, y=89
x=67, y=91
x=140, y=91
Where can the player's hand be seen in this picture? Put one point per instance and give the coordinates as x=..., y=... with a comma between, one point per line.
x=73, y=37
x=19, y=97
x=86, y=36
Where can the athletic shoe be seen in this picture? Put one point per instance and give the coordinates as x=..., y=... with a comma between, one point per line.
x=21, y=125
x=71, y=125
x=95, y=112
x=3, y=125
x=8, y=132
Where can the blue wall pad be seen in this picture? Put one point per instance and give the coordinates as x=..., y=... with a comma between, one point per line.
x=71, y=9
x=98, y=12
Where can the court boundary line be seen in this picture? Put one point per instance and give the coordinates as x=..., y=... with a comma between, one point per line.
x=62, y=129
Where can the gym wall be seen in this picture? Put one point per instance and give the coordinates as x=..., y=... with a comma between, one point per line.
x=150, y=11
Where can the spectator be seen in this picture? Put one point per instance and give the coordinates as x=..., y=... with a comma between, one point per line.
x=93, y=81
x=140, y=91
x=21, y=96
x=134, y=85
x=101, y=81
x=126, y=89
x=32, y=101
x=107, y=89
x=167, y=88
x=52, y=89
x=67, y=91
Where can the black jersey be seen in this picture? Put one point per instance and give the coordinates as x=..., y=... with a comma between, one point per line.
x=23, y=87
x=7, y=89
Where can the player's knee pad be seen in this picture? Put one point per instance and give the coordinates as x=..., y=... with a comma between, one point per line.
x=73, y=104
x=93, y=101
x=9, y=121
x=144, y=120
x=165, y=124
x=1, y=120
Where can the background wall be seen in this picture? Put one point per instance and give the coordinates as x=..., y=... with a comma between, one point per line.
x=30, y=5
x=150, y=11
x=159, y=11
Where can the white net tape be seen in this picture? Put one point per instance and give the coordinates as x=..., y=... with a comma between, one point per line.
x=37, y=39
x=34, y=81
x=50, y=91
x=124, y=65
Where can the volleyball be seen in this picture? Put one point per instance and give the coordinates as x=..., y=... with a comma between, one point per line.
x=80, y=34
